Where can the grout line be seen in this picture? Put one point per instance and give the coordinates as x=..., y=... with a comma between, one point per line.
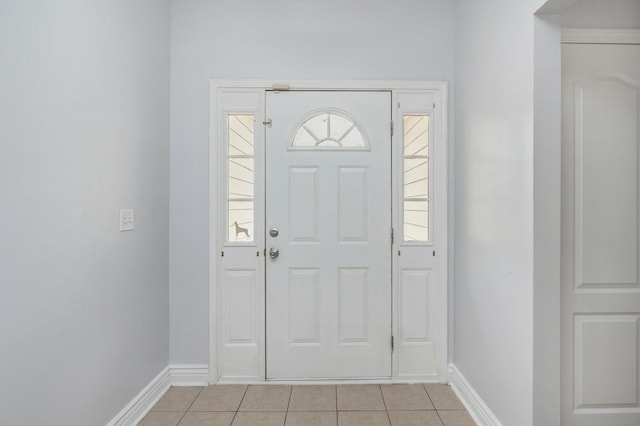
x=384, y=403
x=238, y=408
x=429, y=396
x=336, y=386
x=386, y=409
x=190, y=405
x=286, y=413
x=434, y=405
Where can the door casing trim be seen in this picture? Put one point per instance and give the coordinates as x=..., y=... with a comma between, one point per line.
x=215, y=205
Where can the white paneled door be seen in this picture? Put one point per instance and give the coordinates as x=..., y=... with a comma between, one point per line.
x=600, y=282
x=328, y=224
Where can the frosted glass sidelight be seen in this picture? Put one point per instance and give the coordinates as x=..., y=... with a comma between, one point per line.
x=329, y=130
x=240, y=177
x=415, y=152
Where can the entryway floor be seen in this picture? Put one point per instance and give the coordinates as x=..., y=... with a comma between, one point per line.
x=309, y=405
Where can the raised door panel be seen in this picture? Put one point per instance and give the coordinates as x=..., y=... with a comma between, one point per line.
x=415, y=345
x=606, y=179
x=239, y=331
x=606, y=363
x=352, y=204
x=304, y=306
x=353, y=323
x=303, y=204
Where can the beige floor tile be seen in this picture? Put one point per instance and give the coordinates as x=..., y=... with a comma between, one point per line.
x=259, y=419
x=414, y=418
x=443, y=397
x=206, y=419
x=219, y=398
x=317, y=418
x=177, y=398
x=456, y=418
x=359, y=398
x=266, y=398
x=406, y=397
x=363, y=418
x=161, y=418
x=313, y=398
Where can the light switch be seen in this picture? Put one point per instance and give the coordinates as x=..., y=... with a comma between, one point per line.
x=126, y=219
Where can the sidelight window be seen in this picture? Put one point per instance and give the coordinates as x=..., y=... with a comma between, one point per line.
x=416, y=178
x=240, y=177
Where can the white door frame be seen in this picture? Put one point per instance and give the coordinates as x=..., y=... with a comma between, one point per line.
x=217, y=202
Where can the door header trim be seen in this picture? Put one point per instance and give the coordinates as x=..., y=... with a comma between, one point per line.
x=353, y=85
x=600, y=36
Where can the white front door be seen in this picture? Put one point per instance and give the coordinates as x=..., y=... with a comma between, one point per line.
x=600, y=249
x=328, y=219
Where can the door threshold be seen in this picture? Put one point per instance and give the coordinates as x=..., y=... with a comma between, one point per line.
x=367, y=381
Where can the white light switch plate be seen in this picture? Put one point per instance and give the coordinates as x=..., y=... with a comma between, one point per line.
x=126, y=219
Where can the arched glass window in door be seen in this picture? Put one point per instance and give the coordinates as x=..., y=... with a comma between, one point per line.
x=329, y=130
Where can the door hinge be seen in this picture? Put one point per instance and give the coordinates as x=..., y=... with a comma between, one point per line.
x=267, y=122
x=391, y=343
x=391, y=127
x=391, y=236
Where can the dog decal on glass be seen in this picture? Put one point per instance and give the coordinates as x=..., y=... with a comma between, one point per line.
x=241, y=230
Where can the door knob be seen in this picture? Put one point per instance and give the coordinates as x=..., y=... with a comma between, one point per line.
x=274, y=232
x=273, y=252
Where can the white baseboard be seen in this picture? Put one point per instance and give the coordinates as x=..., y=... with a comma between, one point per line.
x=139, y=406
x=189, y=374
x=198, y=375
x=172, y=375
x=476, y=407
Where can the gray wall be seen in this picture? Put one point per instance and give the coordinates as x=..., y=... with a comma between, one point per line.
x=546, y=223
x=332, y=40
x=84, y=112
x=601, y=14
x=493, y=299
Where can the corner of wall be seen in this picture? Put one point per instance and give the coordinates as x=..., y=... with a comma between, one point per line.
x=474, y=404
x=172, y=375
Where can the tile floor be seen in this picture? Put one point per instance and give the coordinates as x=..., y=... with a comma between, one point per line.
x=309, y=405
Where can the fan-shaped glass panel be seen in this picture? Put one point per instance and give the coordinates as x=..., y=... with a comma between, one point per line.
x=329, y=130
